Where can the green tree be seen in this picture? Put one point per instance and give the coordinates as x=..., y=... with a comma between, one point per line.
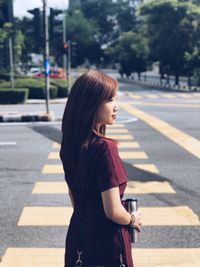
x=5, y=32
x=83, y=34
x=102, y=15
x=172, y=28
x=131, y=51
x=18, y=46
x=126, y=15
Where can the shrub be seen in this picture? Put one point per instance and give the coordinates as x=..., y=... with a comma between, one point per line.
x=11, y=96
x=62, y=86
x=6, y=76
x=36, y=87
x=39, y=92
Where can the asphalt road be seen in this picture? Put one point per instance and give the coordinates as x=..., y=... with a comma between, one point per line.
x=24, y=150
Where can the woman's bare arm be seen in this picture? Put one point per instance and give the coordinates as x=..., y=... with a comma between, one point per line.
x=115, y=211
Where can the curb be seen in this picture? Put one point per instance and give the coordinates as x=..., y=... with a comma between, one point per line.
x=26, y=117
x=148, y=85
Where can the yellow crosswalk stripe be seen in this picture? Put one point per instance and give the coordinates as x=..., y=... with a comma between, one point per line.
x=33, y=257
x=134, y=96
x=45, y=216
x=118, y=131
x=189, y=143
x=116, y=125
x=120, y=136
x=179, y=215
x=184, y=95
x=50, y=188
x=151, y=96
x=171, y=257
x=133, y=155
x=133, y=187
x=177, y=105
x=51, y=257
x=147, y=167
x=53, y=169
x=56, y=145
x=128, y=145
x=54, y=155
x=152, y=187
x=196, y=94
x=55, y=216
x=168, y=95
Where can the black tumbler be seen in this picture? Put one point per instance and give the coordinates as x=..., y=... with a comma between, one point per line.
x=131, y=205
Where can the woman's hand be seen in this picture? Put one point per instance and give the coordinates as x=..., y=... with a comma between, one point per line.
x=138, y=223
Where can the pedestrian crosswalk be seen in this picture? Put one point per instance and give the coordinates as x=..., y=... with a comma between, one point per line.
x=159, y=95
x=50, y=216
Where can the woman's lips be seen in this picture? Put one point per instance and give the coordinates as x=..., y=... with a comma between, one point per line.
x=114, y=116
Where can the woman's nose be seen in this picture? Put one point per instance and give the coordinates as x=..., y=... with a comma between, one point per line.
x=116, y=107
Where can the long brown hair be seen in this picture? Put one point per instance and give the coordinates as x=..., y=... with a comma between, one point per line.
x=78, y=123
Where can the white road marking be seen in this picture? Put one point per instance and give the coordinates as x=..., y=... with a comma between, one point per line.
x=8, y=143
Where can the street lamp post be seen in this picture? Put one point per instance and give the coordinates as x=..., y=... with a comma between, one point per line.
x=46, y=54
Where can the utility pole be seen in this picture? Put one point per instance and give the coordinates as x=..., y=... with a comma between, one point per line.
x=46, y=53
x=11, y=62
x=64, y=40
x=69, y=64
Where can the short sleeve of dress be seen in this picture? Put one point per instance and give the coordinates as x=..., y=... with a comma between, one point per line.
x=110, y=170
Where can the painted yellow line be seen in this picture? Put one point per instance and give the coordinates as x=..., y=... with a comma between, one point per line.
x=50, y=188
x=128, y=145
x=172, y=257
x=178, y=105
x=53, y=169
x=133, y=155
x=48, y=216
x=51, y=257
x=153, y=187
x=168, y=95
x=56, y=145
x=151, y=96
x=120, y=136
x=118, y=131
x=147, y=167
x=190, y=144
x=55, y=216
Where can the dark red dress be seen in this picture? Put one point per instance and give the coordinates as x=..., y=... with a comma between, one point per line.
x=100, y=168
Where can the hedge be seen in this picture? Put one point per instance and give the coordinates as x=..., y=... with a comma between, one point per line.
x=11, y=96
x=62, y=86
x=36, y=87
x=39, y=93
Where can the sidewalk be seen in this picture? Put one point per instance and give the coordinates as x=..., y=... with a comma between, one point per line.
x=31, y=116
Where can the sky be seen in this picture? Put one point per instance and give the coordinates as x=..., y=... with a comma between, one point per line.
x=21, y=6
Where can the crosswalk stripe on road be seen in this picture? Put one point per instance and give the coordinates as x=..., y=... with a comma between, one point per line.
x=51, y=216
x=133, y=187
x=51, y=257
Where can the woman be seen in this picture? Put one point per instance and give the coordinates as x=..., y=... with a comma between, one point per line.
x=95, y=175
